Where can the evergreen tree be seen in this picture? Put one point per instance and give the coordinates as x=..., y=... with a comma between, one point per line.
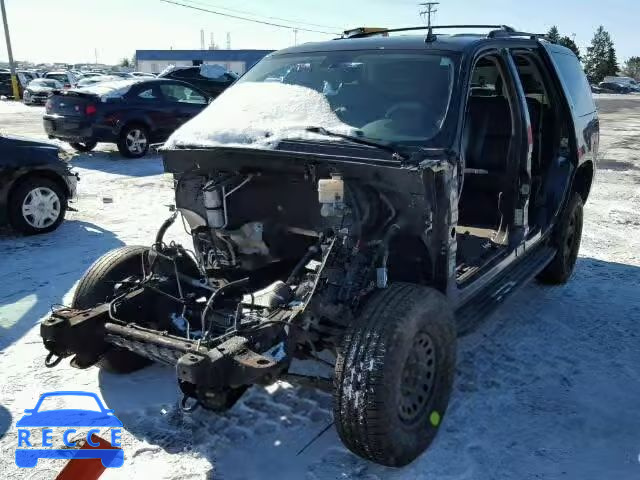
x=612, y=62
x=601, y=60
x=571, y=45
x=632, y=68
x=553, y=35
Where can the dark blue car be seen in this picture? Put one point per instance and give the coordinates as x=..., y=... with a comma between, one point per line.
x=104, y=418
x=130, y=113
x=36, y=185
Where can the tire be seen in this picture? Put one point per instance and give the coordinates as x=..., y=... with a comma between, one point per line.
x=127, y=142
x=37, y=205
x=96, y=287
x=394, y=374
x=566, y=239
x=84, y=146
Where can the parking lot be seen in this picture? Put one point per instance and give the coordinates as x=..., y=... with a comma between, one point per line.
x=546, y=388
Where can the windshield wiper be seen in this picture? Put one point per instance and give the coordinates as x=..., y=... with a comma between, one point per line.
x=351, y=138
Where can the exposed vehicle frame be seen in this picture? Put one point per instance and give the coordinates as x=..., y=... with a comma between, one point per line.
x=350, y=250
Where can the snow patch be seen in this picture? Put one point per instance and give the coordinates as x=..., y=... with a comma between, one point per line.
x=113, y=89
x=212, y=71
x=259, y=115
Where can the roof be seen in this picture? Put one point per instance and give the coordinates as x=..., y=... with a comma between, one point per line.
x=455, y=43
x=204, y=55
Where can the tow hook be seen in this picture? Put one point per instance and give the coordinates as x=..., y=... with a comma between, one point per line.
x=50, y=362
x=189, y=408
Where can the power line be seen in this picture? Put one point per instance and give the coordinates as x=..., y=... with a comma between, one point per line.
x=279, y=25
x=287, y=20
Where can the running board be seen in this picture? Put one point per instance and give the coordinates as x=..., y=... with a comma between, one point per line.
x=480, y=306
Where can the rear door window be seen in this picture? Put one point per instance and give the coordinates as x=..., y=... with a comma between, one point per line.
x=148, y=94
x=574, y=81
x=182, y=94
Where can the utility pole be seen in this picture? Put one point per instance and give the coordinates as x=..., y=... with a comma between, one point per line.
x=228, y=40
x=95, y=52
x=430, y=10
x=202, y=39
x=12, y=65
x=295, y=36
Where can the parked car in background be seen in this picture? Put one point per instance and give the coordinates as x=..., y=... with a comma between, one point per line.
x=612, y=87
x=35, y=185
x=129, y=113
x=88, y=81
x=212, y=79
x=6, y=89
x=626, y=81
x=40, y=89
x=121, y=74
x=67, y=79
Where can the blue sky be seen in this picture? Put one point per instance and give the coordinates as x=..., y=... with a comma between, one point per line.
x=70, y=30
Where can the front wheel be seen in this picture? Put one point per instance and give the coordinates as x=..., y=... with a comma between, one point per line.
x=84, y=146
x=37, y=205
x=394, y=374
x=97, y=286
x=134, y=141
x=566, y=239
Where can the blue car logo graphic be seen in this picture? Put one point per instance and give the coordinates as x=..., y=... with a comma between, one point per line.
x=70, y=418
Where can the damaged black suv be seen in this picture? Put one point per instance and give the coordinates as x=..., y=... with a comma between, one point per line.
x=403, y=187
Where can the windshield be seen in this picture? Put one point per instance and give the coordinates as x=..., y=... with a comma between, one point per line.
x=61, y=77
x=393, y=97
x=398, y=98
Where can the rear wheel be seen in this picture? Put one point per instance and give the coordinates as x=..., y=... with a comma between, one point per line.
x=37, y=205
x=394, y=374
x=134, y=141
x=566, y=239
x=97, y=286
x=84, y=146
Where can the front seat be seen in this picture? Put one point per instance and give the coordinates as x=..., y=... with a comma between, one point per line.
x=486, y=143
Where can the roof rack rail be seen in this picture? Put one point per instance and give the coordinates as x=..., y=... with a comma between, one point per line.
x=367, y=32
x=513, y=33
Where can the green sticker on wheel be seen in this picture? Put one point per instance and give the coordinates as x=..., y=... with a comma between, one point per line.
x=435, y=418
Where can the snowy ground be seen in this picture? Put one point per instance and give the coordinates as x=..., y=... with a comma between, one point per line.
x=549, y=387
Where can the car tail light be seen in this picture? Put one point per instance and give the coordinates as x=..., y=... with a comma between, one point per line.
x=90, y=109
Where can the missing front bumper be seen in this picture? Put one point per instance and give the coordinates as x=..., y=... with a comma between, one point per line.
x=204, y=373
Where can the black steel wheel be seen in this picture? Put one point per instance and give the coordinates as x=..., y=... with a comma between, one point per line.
x=394, y=374
x=566, y=239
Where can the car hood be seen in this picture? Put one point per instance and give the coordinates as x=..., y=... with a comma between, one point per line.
x=69, y=418
x=22, y=152
x=40, y=89
x=12, y=141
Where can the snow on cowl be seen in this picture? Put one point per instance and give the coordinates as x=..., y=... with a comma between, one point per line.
x=259, y=115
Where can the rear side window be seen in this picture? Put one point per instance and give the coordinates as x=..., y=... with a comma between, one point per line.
x=575, y=82
x=182, y=94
